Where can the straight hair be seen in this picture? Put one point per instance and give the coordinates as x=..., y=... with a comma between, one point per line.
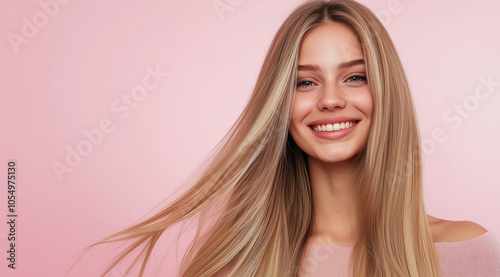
x=258, y=184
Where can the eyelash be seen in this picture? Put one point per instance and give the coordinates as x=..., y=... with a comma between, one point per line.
x=300, y=84
x=360, y=76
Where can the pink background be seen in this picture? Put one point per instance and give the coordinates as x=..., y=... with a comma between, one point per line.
x=84, y=56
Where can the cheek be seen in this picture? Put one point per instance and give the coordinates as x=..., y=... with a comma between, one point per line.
x=300, y=109
x=364, y=103
x=302, y=105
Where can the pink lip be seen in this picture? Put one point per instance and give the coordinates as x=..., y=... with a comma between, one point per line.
x=333, y=134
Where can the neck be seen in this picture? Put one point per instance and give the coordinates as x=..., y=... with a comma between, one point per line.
x=334, y=202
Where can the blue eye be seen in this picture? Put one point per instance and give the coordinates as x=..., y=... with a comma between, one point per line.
x=305, y=84
x=357, y=78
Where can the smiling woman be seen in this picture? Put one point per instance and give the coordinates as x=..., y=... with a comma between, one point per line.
x=313, y=165
x=333, y=106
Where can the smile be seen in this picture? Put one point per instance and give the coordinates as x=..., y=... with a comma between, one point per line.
x=334, y=126
x=334, y=130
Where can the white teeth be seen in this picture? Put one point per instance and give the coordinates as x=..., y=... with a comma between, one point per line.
x=333, y=127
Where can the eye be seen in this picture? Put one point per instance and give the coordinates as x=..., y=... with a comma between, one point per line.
x=356, y=78
x=305, y=84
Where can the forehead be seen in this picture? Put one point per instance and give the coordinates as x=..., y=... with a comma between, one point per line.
x=330, y=40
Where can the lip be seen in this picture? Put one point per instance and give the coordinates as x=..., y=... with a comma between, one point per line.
x=331, y=120
x=333, y=134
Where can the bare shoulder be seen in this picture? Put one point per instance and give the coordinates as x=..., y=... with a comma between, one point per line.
x=452, y=231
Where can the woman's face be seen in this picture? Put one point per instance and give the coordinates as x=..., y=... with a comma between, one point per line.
x=333, y=105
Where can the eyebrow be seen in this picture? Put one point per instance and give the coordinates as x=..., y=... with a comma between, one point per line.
x=313, y=67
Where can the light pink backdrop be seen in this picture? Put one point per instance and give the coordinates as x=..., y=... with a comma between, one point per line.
x=69, y=71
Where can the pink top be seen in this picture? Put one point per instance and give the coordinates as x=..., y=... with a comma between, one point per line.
x=479, y=256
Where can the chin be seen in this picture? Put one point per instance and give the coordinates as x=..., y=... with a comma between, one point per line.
x=336, y=158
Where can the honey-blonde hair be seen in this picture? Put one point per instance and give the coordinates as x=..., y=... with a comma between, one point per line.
x=258, y=181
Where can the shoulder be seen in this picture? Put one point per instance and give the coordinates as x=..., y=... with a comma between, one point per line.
x=452, y=231
x=461, y=252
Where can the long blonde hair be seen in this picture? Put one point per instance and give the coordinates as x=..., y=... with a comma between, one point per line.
x=258, y=180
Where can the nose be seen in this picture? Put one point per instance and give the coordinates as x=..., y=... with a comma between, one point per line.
x=331, y=98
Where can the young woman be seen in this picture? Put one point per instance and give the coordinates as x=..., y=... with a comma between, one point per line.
x=321, y=174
